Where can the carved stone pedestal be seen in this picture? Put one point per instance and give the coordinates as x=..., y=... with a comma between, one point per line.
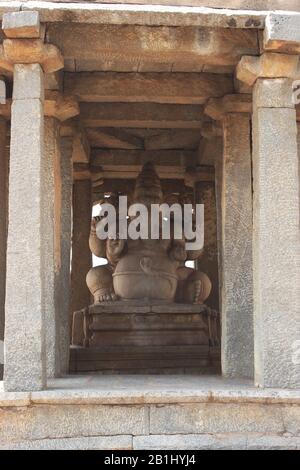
x=121, y=337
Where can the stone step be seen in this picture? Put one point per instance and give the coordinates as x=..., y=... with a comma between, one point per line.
x=146, y=359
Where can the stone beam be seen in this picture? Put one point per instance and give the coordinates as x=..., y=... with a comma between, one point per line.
x=282, y=33
x=107, y=172
x=126, y=186
x=139, y=157
x=268, y=65
x=141, y=115
x=159, y=13
x=184, y=45
x=132, y=171
x=174, y=139
x=113, y=138
x=177, y=88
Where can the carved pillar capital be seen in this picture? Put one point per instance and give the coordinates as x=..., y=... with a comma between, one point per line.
x=60, y=107
x=211, y=130
x=25, y=43
x=268, y=65
x=217, y=108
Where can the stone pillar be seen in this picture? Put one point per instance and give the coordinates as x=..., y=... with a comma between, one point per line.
x=218, y=190
x=212, y=154
x=208, y=263
x=63, y=280
x=276, y=235
x=81, y=254
x=276, y=255
x=52, y=214
x=298, y=143
x=30, y=229
x=27, y=284
x=236, y=237
x=3, y=229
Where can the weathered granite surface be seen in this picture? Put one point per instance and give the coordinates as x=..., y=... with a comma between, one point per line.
x=51, y=313
x=28, y=236
x=3, y=225
x=276, y=252
x=282, y=32
x=63, y=278
x=113, y=412
x=81, y=255
x=237, y=282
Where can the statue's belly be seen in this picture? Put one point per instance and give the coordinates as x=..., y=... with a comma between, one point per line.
x=145, y=276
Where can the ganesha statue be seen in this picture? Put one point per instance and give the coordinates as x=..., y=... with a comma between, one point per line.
x=146, y=270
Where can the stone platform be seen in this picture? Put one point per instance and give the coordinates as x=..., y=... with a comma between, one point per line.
x=150, y=412
x=129, y=337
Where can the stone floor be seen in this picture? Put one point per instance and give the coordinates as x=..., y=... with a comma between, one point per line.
x=150, y=412
x=150, y=389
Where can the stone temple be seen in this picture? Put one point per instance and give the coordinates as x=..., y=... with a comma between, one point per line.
x=143, y=343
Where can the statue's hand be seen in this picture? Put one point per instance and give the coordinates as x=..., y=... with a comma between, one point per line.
x=178, y=251
x=114, y=249
x=94, y=223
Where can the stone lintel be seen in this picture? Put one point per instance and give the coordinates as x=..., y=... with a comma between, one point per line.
x=282, y=32
x=161, y=14
x=268, y=65
x=30, y=51
x=217, y=108
x=59, y=106
x=21, y=24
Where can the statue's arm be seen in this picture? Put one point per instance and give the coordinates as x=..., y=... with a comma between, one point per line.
x=97, y=246
x=178, y=251
x=194, y=254
x=115, y=250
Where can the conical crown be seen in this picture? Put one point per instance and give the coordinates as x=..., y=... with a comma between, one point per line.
x=148, y=187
